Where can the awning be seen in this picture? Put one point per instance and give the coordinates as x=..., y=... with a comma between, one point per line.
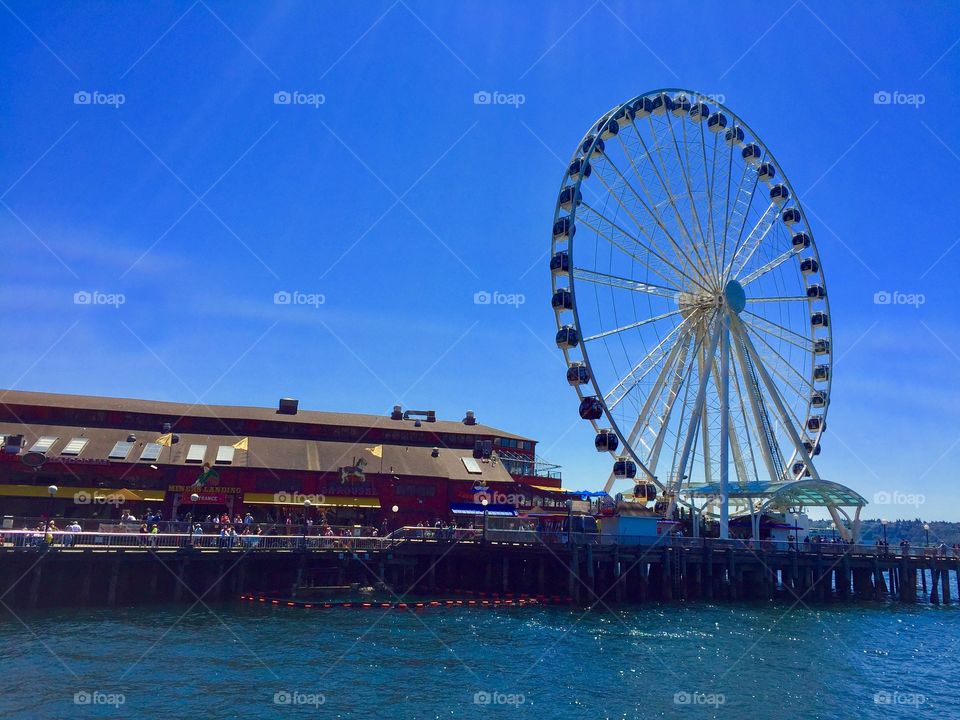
x=544, y=488
x=479, y=509
x=567, y=491
x=807, y=492
x=297, y=500
x=87, y=494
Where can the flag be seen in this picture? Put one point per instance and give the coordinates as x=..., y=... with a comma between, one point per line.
x=243, y=444
x=376, y=451
x=165, y=440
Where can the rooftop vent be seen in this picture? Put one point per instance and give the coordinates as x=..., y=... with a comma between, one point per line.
x=470, y=418
x=436, y=452
x=131, y=438
x=12, y=444
x=397, y=413
x=288, y=406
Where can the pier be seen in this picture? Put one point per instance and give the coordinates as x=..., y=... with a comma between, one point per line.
x=130, y=569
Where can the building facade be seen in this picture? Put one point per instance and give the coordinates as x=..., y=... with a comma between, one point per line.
x=81, y=457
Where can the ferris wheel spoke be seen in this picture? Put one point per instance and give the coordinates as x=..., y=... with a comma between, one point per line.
x=708, y=187
x=698, y=223
x=782, y=298
x=653, y=206
x=703, y=366
x=745, y=210
x=787, y=364
x=764, y=269
x=631, y=326
x=643, y=418
x=666, y=189
x=600, y=278
x=754, y=239
x=728, y=209
x=639, y=243
x=626, y=251
x=678, y=381
x=761, y=324
x=612, y=192
x=670, y=195
x=631, y=380
x=694, y=266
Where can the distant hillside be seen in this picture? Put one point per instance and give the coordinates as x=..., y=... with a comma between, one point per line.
x=897, y=530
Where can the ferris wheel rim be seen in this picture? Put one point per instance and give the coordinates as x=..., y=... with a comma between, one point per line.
x=585, y=153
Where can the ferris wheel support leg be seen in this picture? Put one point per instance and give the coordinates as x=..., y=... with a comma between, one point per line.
x=694, y=420
x=778, y=402
x=724, y=426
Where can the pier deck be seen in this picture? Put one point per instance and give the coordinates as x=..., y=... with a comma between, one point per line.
x=133, y=569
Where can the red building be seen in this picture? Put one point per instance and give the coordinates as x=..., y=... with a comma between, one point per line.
x=102, y=455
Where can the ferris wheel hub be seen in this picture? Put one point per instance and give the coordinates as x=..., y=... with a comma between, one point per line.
x=734, y=296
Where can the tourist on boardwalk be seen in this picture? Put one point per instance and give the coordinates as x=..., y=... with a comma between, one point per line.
x=73, y=527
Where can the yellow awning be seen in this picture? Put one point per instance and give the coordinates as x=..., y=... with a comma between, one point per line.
x=32, y=491
x=550, y=489
x=296, y=500
x=67, y=493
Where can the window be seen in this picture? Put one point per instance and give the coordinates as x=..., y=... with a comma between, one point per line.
x=195, y=453
x=151, y=452
x=472, y=466
x=75, y=446
x=120, y=450
x=225, y=454
x=43, y=444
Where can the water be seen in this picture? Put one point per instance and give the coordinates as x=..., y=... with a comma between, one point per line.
x=234, y=660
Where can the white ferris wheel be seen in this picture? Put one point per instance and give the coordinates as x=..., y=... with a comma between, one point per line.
x=691, y=305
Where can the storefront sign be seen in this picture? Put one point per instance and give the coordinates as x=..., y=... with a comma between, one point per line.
x=212, y=489
x=205, y=498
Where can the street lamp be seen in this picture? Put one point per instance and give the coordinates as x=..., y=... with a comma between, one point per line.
x=306, y=509
x=53, y=491
x=926, y=529
x=193, y=516
x=484, y=501
x=884, y=522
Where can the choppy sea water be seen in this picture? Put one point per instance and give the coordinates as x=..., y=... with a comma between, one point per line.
x=683, y=661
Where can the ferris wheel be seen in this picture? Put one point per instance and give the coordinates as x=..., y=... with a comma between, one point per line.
x=691, y=303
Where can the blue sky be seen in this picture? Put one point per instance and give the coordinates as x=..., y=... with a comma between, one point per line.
x=397, y=198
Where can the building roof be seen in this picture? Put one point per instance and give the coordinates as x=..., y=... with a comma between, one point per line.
x=170, y=411
x=263, y=452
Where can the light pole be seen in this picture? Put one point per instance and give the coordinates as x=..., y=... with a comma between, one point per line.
x=884, y=522
x=193, y=515
x=306, y=509
x=52, y=489
x=926, y=529
x=484, y=502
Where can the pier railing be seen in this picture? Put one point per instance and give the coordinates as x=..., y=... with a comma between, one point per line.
x=86, y=540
